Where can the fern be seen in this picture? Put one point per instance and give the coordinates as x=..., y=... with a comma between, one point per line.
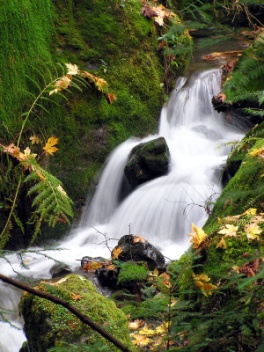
x=51, y=202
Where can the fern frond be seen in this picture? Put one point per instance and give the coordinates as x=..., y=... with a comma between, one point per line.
x=51, y=202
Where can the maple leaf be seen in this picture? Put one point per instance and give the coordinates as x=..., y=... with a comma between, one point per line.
x=72, y=69
x=251, y=268
x=162, y=13
x=252, y=231
x=110, y=97
x=257, y=152
x=61, y=84
x=92, y=265
x=50, y=145
x=202, y=281
x=137, y=239
x=100, y=84
x=140, y=340
x=12, y=150
x=115, y=252
x=147, y=332
x=161, y=329
x=198, y=237
x=166, y=279
x=136, y=324
x=34, y=139
x=76, y=296
x=229, y=230
x=148, y=12
x=222, y=244
x=250, y=211
x=221, y=97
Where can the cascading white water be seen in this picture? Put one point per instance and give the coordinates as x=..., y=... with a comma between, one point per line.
x=160, y=210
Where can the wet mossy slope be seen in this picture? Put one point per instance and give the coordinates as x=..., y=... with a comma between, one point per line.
x=109, y=39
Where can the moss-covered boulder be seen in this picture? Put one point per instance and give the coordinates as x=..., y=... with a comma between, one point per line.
x=48, y=325
x=147, y=161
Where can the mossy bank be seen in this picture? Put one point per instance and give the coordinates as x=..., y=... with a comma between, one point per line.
x=110, y=39
x=48, y=324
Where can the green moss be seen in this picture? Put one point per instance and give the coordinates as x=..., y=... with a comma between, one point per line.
x=112, y=40
x=26, y=30
x=132, y=272
x=48, y=325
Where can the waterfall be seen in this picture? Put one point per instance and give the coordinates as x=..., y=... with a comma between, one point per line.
x=161, y=210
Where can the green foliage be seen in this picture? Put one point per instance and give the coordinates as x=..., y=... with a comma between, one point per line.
x=96, y=347
x=132, y=272
x=247, y=78
x=51, y=203
x=26, y=30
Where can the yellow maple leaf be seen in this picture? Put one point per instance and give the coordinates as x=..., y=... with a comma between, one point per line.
x=257, y=152
x=229, y=230
x=100, y=84
x=115, y=252
x=221, y=244
x=147, y=332
x=161, y=329
x=140, y=340
x=198, y=237
x=202, y=281
x=50, y=145
x=250, y=211
x=252, y=231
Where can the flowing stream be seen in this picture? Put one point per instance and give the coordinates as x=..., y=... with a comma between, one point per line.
x=161, y=210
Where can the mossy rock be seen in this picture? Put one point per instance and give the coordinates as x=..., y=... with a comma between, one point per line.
x=48, y=325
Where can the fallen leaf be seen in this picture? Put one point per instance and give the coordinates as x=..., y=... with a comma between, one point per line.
x=257, y=152
x=251, y=268
x=115, y=252
x=137, y=239
x=202, y=281
x=229, y=230
x=50, y=145
x=198, y=237
x=136, y=324
x=252, y=231
x=222, y=244
x=148, y=12
x=92, y=265
x=147, y=332
x=76, y=296
x=250, y=211
x=110, y=97
x=34, y=139
x=140, y=340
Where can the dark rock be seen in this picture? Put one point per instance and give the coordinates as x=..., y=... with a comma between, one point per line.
x=147, y=161
x=107, y=277
x=59, y=270
x=135, y=248
x=230, y=171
